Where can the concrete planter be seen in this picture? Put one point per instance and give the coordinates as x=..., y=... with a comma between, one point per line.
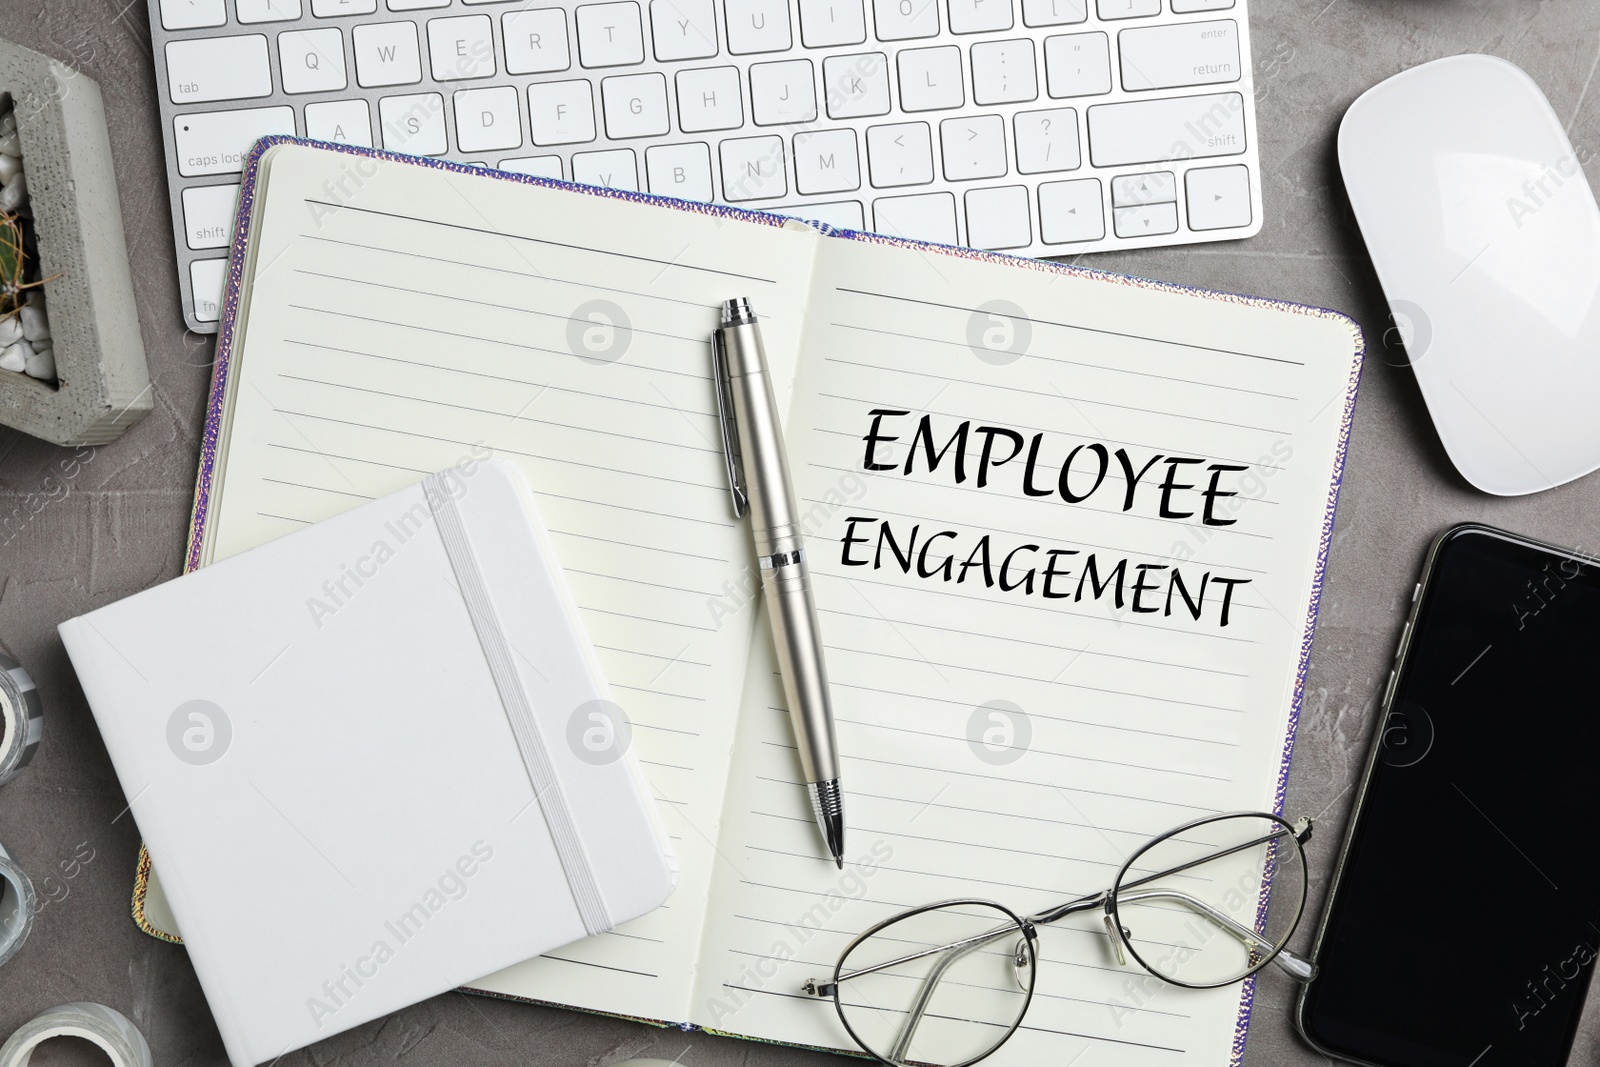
x=102, y=384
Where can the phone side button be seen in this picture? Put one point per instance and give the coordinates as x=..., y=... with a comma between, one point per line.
x=1388, y=691
x=1405, y=632
x=1417, y=591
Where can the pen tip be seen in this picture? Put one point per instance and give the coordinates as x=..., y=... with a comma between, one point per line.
x=840, y=861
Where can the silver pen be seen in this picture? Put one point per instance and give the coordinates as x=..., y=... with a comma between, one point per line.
x=758, y=477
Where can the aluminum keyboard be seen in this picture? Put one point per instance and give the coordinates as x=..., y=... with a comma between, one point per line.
x=1039, y=127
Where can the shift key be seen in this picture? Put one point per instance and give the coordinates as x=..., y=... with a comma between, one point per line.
x=215, y=142
x=1189, y=53
x=1154, y=131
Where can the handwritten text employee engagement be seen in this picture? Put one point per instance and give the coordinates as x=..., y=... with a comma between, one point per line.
x=1179, y=489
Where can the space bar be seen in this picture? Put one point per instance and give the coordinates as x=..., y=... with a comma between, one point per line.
x=1151, y=131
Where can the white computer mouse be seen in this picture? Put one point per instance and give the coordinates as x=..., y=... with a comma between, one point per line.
x=1486, y=239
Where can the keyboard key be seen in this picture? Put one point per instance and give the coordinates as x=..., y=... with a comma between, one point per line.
x=416, y=5
x=930, y=78
x=461, y=48
x=387, y=54
x=561, y=112
x=205, y=281
x=1219, y=197
x=843, y=215
x=487, y=119
x=616, y=169
x=684, y=29
x=1131, y=190
x=824, y=23
x=312, y=61
x=1150, y=131
x=215, y=142
x=757, y=26
x=218, y=68
x=610, y=35
x=979, y=16
x=1047, y=140
x=341, y=121
x=1146, y=221
x=413, y=124
x=783, y=92
x=1054, y=12
x=708, y=99
x=208, y=214
x=904, y=20
x=681, y=170
x=635, y=105
x=998, y=218
x=973, y=147
x=826, y=162
x=193, y=14
x=538, y=166
x=1077, y=64
x=856, y=86
x=900, y=154
x=925, y=217
x=252, y=11
x=1071, y=212
x=327, y=9
x=536, y=41
x=1003, y=72
x=1127, y=9
x=1185, y=7
x=1187, y=53
x=753, y=168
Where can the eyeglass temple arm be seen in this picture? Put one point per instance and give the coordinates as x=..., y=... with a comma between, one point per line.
x=908, y=1029
x=966, y=944
x=1297, y=967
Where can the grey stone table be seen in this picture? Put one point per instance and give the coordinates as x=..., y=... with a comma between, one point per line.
x=79, y=530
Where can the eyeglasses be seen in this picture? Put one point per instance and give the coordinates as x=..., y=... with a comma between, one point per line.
x=1204, y=905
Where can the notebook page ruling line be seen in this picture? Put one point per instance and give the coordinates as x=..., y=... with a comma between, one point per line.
x=790, y=1024
x=621, y=645
x=240, y=248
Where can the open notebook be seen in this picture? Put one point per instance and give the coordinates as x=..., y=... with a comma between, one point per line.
x=1032, y=672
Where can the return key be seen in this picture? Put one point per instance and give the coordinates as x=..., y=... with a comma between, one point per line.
x=1193, y=53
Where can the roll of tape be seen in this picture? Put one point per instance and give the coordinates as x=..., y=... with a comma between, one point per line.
x=17, y=907
x=21, y=717
x=105, y=1027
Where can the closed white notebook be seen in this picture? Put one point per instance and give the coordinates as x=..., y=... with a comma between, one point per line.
x=375, y=759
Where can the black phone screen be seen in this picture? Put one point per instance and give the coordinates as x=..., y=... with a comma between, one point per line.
x=1466, y=919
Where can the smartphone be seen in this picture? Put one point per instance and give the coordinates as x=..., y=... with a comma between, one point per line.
x=1463, y=919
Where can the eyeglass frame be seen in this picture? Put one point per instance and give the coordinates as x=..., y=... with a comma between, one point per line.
x=1296, y=966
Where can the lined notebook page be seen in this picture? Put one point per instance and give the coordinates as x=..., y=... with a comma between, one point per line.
x=402, y=322
x=1001, y=744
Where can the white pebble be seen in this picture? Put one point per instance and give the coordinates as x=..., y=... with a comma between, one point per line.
x=35, y=327
x=10, y=167
x=42, y=364
x=16, y=357
x=10, y=331
x=10, y=144
x=14, y=193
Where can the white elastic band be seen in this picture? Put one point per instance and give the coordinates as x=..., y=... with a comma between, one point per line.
x=530, y=742
x=106, y=1028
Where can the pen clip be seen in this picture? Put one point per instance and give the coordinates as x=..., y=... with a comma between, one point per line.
x=730, y=430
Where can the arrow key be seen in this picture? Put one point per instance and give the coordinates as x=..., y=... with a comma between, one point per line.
x=1219, y=197
x=1146, y=220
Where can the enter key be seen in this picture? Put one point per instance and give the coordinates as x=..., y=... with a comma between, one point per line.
x=1191, y=53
